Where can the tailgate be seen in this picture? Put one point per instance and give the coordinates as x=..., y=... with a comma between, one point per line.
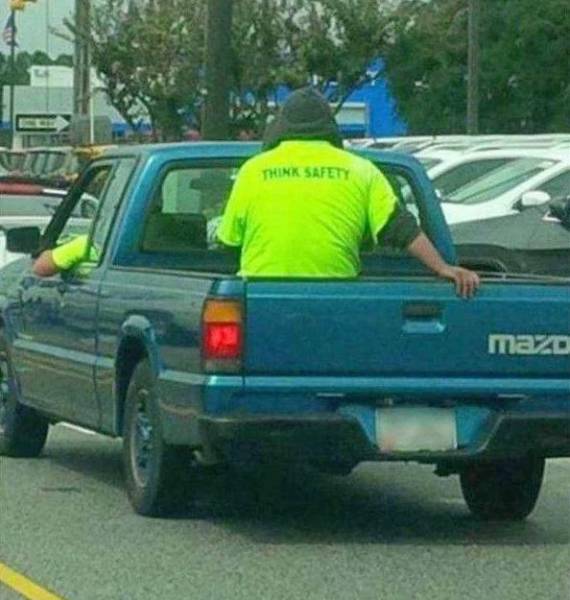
x=411, y=329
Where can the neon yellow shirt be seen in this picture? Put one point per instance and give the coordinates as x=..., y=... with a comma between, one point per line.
x=75, y=253
x=303, y=209
x=71, y=253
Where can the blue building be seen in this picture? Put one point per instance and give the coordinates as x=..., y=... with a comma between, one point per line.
x=370, y=110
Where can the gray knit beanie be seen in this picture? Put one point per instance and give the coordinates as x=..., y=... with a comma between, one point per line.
x=305, y=115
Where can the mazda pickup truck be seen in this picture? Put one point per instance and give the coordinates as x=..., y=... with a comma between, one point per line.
x=155, y=339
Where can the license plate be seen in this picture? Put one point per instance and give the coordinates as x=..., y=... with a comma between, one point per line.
x=416, y=429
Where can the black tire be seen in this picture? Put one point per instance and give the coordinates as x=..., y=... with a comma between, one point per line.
x=23, y=432
x=156, y=473
x=503, y=490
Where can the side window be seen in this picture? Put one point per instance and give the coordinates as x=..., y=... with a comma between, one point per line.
x=557, y=186
x=115, y=188
x=85, y=203
x=404, y=190
x=407, y=194
x=186, y=209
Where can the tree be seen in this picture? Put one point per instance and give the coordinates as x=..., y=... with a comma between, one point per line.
x=295, y=43
x=21, y=76
x=148, y=56
x=525, y=65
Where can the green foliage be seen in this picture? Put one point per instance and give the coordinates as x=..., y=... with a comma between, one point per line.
x=23, y=62
x=150, y=53
x=525, y=65
x=20, y=75
x=293, y=42
x=149, y=56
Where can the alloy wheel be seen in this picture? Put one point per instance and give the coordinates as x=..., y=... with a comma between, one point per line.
x=142, y=440
x=4, y=389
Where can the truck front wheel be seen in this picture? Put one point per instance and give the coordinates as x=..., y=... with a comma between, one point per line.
x=155, y=472
x=23, y=432
x=502, y=490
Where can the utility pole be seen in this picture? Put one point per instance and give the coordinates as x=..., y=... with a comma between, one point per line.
x=12, y=78
x=11, y=30
x=82, y=60
x=473, y=69
x=215, y=125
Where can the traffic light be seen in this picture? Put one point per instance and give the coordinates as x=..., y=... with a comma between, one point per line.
x=20, y=4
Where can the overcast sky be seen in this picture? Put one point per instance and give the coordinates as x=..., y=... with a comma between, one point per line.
x=33, y=23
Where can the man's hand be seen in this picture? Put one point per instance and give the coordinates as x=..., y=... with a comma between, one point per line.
x=44, y=266
x=466, y=282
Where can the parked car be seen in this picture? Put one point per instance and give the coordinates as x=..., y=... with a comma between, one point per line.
x=13, y=160
x=536, y=240
x=433, y=156
x=483, y=185
x=158, y=341
x=51, y=167
x=37, y=210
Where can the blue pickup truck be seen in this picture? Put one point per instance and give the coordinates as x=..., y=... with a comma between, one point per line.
x=155, y=339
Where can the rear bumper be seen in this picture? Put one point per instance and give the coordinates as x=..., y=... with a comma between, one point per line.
x=337, y=440
x=310, y=438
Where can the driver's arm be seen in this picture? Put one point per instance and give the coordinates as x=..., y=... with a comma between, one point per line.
x=44, y=265
x=62, y=258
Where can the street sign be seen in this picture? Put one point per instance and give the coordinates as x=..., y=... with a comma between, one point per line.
x=42, y=123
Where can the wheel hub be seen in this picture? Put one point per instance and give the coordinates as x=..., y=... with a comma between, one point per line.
x=142, y=438
x=4, y=390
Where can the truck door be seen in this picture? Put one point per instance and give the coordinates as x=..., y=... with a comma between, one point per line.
x=154, y=290
x=56, y=347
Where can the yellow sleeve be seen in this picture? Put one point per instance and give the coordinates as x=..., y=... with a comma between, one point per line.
x=382, y=202
x=70, y=254
x=232, y=228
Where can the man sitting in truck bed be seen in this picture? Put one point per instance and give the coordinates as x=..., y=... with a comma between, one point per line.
x=303, y=208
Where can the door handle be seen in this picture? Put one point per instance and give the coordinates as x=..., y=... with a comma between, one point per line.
x=420, y=311
x=423, y=318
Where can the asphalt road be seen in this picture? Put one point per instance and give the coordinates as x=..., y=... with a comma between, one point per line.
x=389, y=532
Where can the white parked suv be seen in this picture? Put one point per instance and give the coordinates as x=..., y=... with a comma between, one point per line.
x=483, y=185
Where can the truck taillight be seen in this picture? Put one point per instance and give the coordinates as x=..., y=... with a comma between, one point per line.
x=222, y=336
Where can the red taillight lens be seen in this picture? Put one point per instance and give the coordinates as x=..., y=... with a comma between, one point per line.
x=222, y=335
x=222, y=340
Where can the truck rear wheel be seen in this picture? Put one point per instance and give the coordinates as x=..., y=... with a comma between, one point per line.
x=155, y=472
x=503, y=490
x=23, y=432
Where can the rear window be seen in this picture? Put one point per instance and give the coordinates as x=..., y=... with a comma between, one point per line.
x=180, y=227
x=498, y=181
x=429, y=163
x=186, y=209
x=462, y=174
